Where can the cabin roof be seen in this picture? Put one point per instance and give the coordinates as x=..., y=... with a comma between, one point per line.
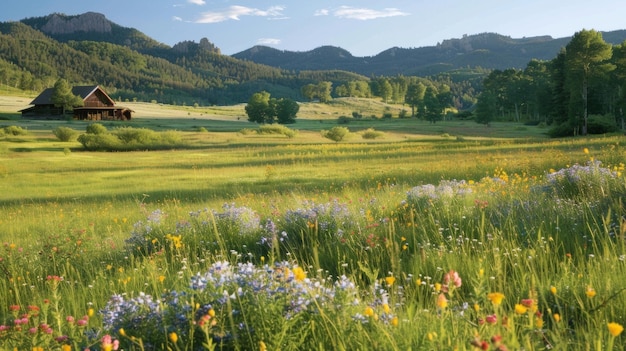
x=83, y=91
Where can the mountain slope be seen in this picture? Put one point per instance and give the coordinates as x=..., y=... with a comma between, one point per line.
x=487, y=50
x=89, y=49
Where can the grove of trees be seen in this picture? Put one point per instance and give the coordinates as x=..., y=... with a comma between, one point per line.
x=580, y=91
x=262, y=108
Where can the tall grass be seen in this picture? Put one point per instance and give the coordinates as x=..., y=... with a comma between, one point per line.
x=389, y=246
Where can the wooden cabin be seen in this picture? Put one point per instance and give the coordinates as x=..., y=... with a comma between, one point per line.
x=97, y=106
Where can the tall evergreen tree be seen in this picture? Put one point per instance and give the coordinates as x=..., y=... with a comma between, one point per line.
x=586, y=57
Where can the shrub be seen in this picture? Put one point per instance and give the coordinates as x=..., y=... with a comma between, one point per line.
x=14, y=130
x=130, y=135
x=100, y=142
x=561, y=130
x=96, y=128
x=65, y=133
x=276, y=129
x=343, y=120
x=601, y=124
x=356, y=114
x=370, y=133
x=336, y=134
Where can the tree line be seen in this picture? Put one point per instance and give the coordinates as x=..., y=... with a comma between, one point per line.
x=580, y=91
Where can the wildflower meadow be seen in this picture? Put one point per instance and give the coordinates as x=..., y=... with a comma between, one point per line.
x=522, y=254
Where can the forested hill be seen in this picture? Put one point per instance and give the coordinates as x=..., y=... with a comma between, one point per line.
x=486, y=50
x=89, y=49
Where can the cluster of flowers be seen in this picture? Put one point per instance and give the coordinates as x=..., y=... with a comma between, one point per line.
x=30, y=324
x=226, y=290
x=424, y=195
x=141, y=230
x=329, y=218
x=578, y=173
x=577, y=179
x=241, y=220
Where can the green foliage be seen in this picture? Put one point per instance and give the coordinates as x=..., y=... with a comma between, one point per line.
x=601, y=124
x=370, y=133
x=277, y=129
x=96, y=128
x=128, y=138
x=336, y=134
x=62, y=96
x=258, y=108
x=14, y=130
x=65, y=133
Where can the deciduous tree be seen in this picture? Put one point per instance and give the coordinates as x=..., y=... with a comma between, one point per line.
x=62, y=96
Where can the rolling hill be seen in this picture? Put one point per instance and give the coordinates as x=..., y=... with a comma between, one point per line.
x=90, y=49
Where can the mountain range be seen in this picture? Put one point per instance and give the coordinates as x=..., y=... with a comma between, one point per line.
x=137, y=64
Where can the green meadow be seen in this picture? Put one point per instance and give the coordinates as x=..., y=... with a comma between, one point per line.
x=446, y=236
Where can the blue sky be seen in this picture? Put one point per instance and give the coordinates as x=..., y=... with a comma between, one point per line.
x=364, y=28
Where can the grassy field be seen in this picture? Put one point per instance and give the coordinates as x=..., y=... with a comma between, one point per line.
x=433, y=237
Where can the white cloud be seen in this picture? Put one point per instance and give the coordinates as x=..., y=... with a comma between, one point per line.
x=268, y=41
x=176, y=18
x=322, y=12
x=235, y=12
x=366, y=14
x=197, y=2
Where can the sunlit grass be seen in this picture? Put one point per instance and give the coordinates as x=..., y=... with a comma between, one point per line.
x=80, y=227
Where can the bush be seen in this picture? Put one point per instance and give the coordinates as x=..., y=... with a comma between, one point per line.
x=127, y=138
x=14, y=130
x=130, y=135
x=336, y=134
x=65, y=133
x=343, y=120
x=601, y=124
x=276, y=129
x=96, y=128
x=370, y=133
x=100, y=142
x=562, y=130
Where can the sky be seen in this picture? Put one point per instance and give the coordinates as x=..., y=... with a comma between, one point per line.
x=364, y=28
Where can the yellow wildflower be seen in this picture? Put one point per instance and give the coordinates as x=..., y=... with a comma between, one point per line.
x=173, y=337
x=262, y=346
x=390, y=280
x=394, y=321
x=553, y=290
x=369, y=312
x=590, y=292
x=520, y=309
x=495, y=298
x=299, y=274
x=615, y=328
x=557, y=317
